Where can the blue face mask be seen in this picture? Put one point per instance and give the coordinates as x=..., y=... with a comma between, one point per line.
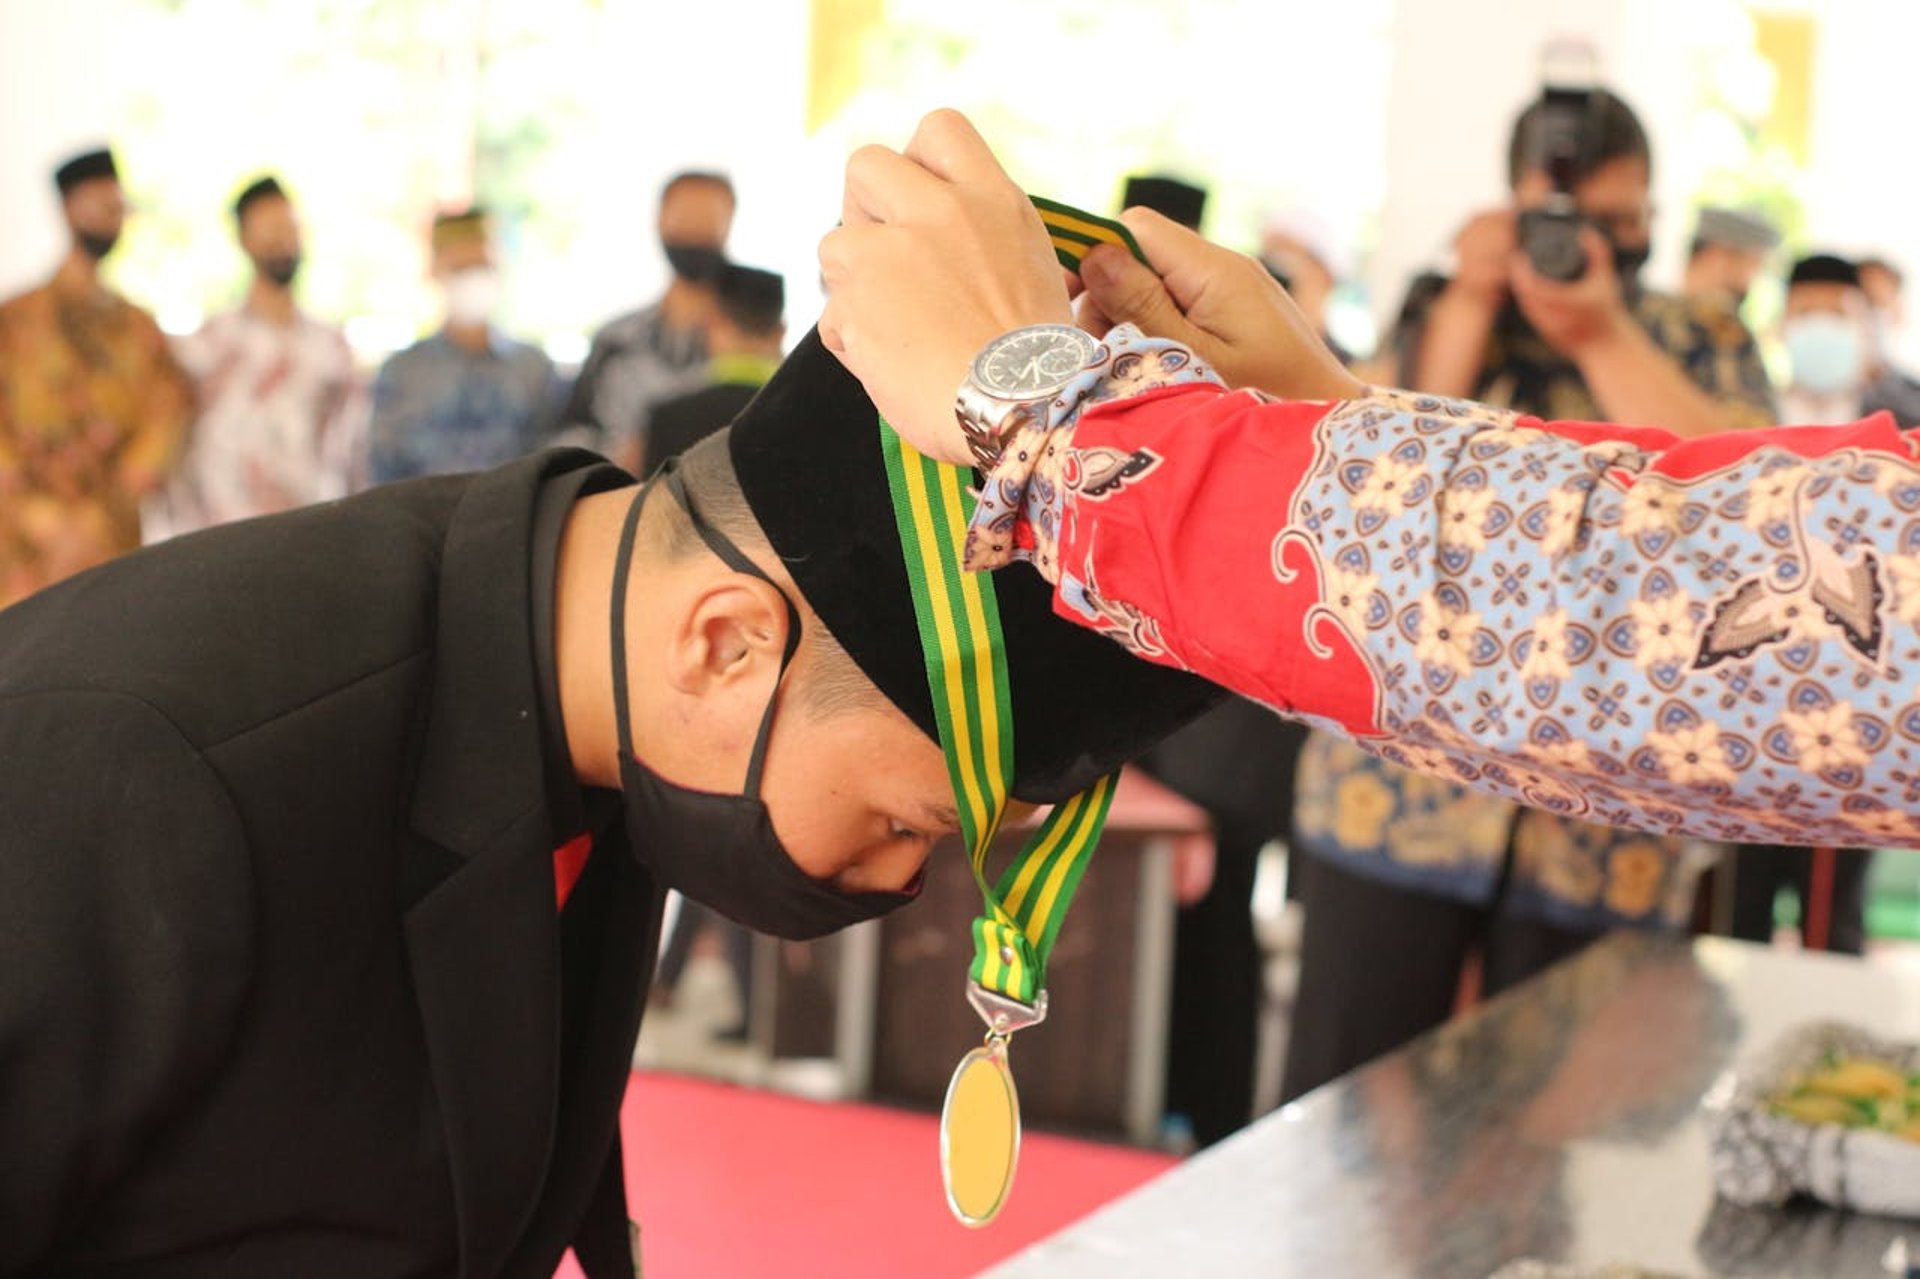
x=1827, y=353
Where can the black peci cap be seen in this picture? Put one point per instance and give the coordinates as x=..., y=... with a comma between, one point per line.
x=85, y=167
x=807, y=453
x=1824, y=268
x=1181, y=201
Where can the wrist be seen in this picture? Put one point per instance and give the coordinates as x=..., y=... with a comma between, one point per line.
x=1023, y=499
x=1481, y=297
x=1613, y=335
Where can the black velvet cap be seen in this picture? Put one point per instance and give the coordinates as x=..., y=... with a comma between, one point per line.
x=807, y=453
x=85, y=167
x=1170, y=197
x=1824, y=268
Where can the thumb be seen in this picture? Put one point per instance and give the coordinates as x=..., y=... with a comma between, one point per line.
x=1127, y=292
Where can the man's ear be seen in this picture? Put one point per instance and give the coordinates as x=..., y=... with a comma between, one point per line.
x=733, y=630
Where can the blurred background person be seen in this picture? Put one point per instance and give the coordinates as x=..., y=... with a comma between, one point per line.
x=1893, y=388
x=745, y=335
x=659, y=351
x=744, y=340
x=1304, y=253
x=1728, y=251
x=93, y=407
x=279, y=394
x=469, y=397
x=1414, y=889
x=1827, y=329
x=1236, y=762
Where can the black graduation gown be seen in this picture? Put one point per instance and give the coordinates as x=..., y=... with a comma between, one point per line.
x=280, y=969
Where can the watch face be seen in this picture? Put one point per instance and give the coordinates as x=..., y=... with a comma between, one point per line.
x=1030, y=364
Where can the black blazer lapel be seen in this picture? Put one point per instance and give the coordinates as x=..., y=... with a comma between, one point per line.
x=595, y=1074
x=485, y=942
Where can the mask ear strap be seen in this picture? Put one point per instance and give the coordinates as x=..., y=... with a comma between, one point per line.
x=622, y=563
x=734, y=558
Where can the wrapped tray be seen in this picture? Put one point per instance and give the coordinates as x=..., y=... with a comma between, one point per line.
x=1762, y=1158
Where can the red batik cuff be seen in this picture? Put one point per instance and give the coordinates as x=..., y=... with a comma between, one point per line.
x=1022, y=499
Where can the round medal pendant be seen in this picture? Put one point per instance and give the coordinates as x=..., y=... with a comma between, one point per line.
x=980, y=1134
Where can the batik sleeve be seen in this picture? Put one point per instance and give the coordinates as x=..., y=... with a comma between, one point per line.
x=1713, y=637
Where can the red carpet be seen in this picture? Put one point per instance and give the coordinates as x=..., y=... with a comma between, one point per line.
x=730, y=1183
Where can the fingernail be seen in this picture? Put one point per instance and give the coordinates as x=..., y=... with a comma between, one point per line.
x=1097, y=267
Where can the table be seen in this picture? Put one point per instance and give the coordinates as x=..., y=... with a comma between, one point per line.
x=1558, y=1122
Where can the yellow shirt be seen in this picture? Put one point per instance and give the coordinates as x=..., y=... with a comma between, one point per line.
x=93, y=413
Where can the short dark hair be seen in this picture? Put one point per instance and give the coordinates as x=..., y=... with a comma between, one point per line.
x=261, y=188
x=1616, y=134
x=834, y=682
x=711, y=177
x=752, y=300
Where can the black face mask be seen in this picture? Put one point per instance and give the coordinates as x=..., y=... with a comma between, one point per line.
x=280, y=268
x=695, y=263
x=1628, y=262
x=96, y=245
x=721, y=850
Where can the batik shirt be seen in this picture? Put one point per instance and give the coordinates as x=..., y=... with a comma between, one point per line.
x=635, y=362
x=1714, y=637
x=1383, y=822
x=90, y=397
x=281, y=408
x=439, y=408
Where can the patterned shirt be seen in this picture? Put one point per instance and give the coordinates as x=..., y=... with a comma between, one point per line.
x=1714, y=637
x=90, y=397
x=280, y=407
x=1430, y=837
x=1709, y=342
x=635, y=362
x=439, y=408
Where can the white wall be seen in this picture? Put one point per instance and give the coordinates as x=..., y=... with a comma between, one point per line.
x=57, y=97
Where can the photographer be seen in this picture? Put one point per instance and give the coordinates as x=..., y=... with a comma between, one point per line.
x=1408, y=881
x=1600, y=347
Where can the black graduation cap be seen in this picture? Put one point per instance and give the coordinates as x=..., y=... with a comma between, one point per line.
x=1824, y=268
x=751, y=298
x=807, y=453
x=1181, y=201
x=85, y=167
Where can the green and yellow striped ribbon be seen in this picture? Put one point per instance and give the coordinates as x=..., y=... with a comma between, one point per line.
x=959, y=621
x=1074, y=232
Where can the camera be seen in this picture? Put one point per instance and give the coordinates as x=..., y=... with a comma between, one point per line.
x=1560, y=143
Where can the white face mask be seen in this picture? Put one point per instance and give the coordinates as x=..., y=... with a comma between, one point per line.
x=472, y=295
x=1828, y=353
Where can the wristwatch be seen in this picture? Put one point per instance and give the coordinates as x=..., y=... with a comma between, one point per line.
x=1013, y=381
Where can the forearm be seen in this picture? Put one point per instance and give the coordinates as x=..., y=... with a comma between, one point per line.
x=1453, y=344
x=1560, y=614
x=1634, y=381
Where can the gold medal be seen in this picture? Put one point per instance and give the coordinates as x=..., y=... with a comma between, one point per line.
x=980, y=1134
x=980, y=1121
